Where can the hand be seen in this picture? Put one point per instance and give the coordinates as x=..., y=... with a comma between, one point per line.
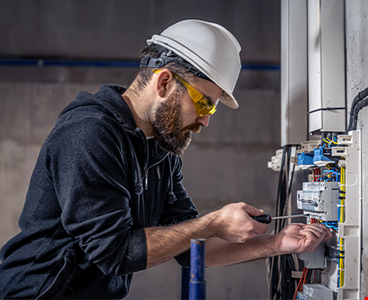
x=301, y=238
x=234, y=224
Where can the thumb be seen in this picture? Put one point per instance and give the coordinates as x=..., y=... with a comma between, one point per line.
x=251, y=210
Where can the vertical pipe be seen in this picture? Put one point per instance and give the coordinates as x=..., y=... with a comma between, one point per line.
x=197, y=284
x=185, y=277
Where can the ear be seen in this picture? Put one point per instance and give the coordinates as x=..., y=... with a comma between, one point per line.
x=165, y=83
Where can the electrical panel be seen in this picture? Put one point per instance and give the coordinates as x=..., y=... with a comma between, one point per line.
x=331, y=196
x=329, y=190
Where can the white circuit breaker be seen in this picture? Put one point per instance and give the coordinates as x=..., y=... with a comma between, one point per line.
x=319, y=200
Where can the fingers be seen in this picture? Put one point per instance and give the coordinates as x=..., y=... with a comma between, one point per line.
x=260, y=228
x=234, y=224
x=319, y=228
x=251, y=210
x=328, y=233
x=315, y=233
x=316, y=228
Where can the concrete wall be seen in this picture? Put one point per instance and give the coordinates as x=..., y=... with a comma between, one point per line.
x=225, y=163
x=117, y=29
x=357, y=80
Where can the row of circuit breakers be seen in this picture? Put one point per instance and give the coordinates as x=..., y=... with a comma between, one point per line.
x=332, y=196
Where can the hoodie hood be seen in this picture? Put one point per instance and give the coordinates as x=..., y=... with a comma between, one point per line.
x=110, y=98
x=148, y=151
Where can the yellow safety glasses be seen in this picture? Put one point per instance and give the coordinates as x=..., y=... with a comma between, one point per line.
x=203, y=105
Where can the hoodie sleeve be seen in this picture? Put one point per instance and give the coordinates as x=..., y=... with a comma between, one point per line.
x=87, y=167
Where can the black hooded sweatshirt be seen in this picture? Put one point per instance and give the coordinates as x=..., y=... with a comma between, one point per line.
x=97, y=183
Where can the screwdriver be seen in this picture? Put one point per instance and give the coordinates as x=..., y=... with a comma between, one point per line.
x=266, y=218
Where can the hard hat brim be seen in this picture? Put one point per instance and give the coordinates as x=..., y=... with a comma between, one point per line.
x=229, y=101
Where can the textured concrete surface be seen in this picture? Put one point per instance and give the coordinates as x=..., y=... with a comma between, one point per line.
x=243, y=281
x=117, y=29
x=357, y=80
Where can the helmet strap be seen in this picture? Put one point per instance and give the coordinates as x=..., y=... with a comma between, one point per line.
x=166, y=56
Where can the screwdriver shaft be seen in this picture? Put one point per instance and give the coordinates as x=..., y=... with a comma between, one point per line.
x=288, y=217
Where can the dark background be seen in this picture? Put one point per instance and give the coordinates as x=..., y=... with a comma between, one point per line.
x=226, y=163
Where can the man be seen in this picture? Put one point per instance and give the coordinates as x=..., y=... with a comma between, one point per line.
x=106, y=196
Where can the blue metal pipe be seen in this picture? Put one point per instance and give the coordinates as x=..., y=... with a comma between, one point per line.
x=69, y=63
x=105, y=63
x=197, y=284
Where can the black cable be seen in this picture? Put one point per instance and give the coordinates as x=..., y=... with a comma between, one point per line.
x=357, y=105
x=281, y=284
x=308, y=277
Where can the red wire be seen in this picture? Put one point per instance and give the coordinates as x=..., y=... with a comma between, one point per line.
x=305, y=277
x=316, y=172
x=300, y=281
x=304, y=280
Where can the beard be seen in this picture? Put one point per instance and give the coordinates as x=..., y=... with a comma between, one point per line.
x=168, y=125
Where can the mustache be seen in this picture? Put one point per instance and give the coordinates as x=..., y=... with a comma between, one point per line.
x=195, y=128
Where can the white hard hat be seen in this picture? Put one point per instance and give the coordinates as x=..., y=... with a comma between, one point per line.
x=209, y=47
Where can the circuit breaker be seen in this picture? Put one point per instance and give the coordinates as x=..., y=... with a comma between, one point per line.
x=319, y=200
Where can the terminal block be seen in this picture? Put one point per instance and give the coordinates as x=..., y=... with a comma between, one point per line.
x=315, y=259
x=316, y=291
x=275, y=163
x=320, y=200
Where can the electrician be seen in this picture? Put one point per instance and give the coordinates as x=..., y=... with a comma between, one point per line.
x=106, y=197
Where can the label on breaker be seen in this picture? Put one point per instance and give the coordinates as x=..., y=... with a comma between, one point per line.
x=308, y=196
x=310, y=200
x=314, y=186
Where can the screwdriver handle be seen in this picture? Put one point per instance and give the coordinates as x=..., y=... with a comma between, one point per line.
x=266, y=218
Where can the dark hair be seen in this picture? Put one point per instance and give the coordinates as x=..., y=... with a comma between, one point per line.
x=144, y=74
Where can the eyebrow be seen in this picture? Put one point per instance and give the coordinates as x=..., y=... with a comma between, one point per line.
x=205, y=95
x=208, y=97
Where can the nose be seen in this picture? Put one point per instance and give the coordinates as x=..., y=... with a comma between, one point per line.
x=204, y=121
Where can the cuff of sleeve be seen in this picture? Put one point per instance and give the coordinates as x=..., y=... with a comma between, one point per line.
x=184, y=259
x=136, y=255
x=137, y=250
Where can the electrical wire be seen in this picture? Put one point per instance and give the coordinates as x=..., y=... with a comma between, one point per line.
x=356, y=106
x=281, y=284
x=341, y=208
x=303, y=279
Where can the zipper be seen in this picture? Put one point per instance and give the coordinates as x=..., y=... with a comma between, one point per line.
x=158, y=172
x=146, y=180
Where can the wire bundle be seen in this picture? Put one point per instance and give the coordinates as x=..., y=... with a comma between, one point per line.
x=281, y=283
x=306, y=275
x=358, y=103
